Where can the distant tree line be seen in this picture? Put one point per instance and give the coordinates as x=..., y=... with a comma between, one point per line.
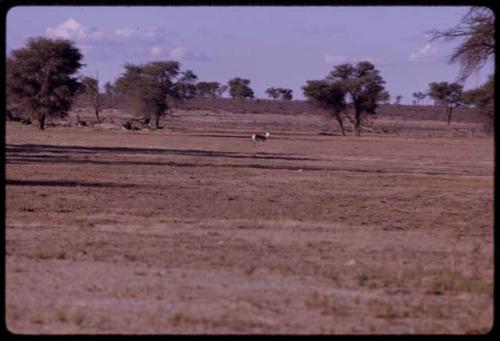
x=281, y=93
x=42, y=81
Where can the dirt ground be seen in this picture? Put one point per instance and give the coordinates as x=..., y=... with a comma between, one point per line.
x=193, y=229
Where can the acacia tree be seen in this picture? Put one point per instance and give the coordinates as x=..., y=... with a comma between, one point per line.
x=482, y=98
x=185, y=87
x=364, y=87
x=476, y=33
x=41, y=79
x=147, y=86
x=108, y=89
x=273, y=93
x=207, y=89
x=286, y=94
x=448, y=94
x=398, y=99
x=90, y=86
x=240, y=88
x=419, y=96
x=220, y=91
x=329, y=96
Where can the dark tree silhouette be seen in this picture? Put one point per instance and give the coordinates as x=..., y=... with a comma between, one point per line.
x=328, y=96
x=147, y=86
x=476, y=33
x=364, y=87
x=448, y=94
x=41, y=79
x=419, y=96
x=207, y=89
x=273, y=93
x=286, y=94
x=240, y=88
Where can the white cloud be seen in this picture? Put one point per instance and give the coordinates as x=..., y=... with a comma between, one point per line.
x=78, y=32
x=182, y=53
x=424, y=53
x=124, y=32
x=70, y=29
x=335, y=59
x=155, y=51
x=124, y=42
x=365, y=59
x=178, y=53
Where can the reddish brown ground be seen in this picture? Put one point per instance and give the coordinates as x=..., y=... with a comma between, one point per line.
x=195, y=230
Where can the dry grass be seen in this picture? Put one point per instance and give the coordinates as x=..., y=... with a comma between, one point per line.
x=191, y=224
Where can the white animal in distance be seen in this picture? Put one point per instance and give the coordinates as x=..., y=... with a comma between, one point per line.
x=258, y=138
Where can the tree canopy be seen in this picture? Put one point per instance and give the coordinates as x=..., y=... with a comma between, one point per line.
x=328, y=96
x=282, y=93
x=273, y=93
x=419, y=96
x=448, y=94
x=359, y=86
x=41, y=78
x=240, y=88
x=482, y=98
x=148, y=85
x=209, y=89
x=476, y=33
x=363, y=85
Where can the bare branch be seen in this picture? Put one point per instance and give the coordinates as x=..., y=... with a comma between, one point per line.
x=477, y=34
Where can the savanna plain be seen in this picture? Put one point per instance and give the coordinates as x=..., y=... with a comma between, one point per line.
x=194, y=229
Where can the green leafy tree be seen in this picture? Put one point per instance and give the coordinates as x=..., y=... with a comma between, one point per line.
x=448, y=94
x=41, y=80
x=147, y=86
x=469, y=98
x=329, y=96
x=207, y=89
x=286, y=94
x=476, y=34
x=482, y=98
x=419, y=96
x=185, y=87
x=273, y=93
x=240, y=88
x=363, y=85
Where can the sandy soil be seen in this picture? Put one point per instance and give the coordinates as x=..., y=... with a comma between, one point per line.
x=196, y=230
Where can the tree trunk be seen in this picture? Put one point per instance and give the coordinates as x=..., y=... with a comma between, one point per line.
x=449, y=114
x=41, y=121
x=357, y=123
x=157, y=121
x=147, y=119
x=96, y=106
x=339, y=119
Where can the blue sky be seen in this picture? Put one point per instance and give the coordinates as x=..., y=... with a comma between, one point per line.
x=272, y=46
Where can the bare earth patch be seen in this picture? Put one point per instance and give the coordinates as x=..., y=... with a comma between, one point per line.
x=196, y=230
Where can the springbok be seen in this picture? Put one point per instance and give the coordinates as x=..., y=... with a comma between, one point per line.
x=257, y=138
